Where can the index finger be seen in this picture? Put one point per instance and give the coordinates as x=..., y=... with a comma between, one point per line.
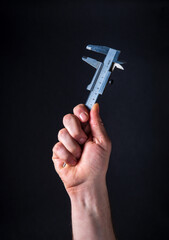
x=81, y=112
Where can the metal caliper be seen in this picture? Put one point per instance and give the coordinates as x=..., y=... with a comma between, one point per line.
x=103, y=71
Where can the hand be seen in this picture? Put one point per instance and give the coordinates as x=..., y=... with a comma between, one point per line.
x=85, y=148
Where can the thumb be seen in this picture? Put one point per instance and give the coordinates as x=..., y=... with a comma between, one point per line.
x=97, y=128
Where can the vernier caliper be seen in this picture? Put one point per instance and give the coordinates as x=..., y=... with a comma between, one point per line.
x=103, y=71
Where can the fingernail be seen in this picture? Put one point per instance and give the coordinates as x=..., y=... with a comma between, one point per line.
x=84, y=116
x=82, y=140
x=97, y=107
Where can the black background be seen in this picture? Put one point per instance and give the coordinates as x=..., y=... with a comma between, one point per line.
x=43, y=78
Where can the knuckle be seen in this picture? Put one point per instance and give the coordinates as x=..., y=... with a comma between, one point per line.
x=75, y=109
x=67, y=118
x=62, y=133
x=81, y=109
x=79, y=106
x=58, y=146
x=76, y=151
x=76, y=135
x=54, y=159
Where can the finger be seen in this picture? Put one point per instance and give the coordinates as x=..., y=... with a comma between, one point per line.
x=63, y=155
x=70, y=144
x=73, y=126
x=81, y=112
x=86, y=128
x=97, y=128
x=59, y=163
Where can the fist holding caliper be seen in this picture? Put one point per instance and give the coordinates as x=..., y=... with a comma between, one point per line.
x=82, y=155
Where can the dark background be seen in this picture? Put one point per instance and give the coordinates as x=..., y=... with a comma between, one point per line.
x=43, y=78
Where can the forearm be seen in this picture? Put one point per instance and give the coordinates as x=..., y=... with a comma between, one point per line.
x=91, y=215
x=82, y=166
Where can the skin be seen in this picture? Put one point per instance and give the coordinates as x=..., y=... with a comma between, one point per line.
x=81, y=158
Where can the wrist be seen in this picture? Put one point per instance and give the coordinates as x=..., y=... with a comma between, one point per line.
x=89, y=188
x=91, y=197
x=91, y=211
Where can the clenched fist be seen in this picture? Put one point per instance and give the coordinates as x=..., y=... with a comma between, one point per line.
x=82, y=154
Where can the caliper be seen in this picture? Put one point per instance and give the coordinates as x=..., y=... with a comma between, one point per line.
x=103, y=71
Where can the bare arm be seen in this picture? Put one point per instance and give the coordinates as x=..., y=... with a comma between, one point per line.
x=91, y=214
x=85, y=148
